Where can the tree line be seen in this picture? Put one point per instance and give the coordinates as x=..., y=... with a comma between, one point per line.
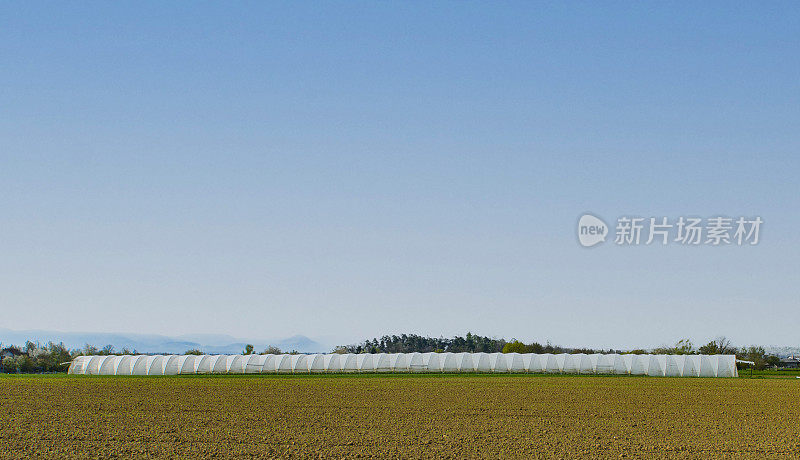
x=410, y=343
x=37, y=358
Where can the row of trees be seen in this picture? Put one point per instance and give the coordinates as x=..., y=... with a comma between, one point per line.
x=410, y=343
x=37, y=358
x=270, y=350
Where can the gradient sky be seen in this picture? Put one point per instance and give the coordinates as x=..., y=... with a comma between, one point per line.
x=346, y=170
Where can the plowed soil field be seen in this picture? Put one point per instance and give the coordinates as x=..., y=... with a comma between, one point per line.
x=451, y=416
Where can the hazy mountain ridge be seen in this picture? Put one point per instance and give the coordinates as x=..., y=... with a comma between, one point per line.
x=783, y=352
x=153, y=343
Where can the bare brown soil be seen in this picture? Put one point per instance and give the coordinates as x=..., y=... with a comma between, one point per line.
x=398, y=417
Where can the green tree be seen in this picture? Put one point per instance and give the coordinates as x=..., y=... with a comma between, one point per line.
x=55, y=358
x=9, y=365
x=772, y=360
x=248, y=349
x=89, y=350
x=537, y=347
x=469, y=342
x=25, y=364
x=681, y=347
x=757, y=355
x=719, y=346
x=107, y=350
x=708, y=349
x=515, y=346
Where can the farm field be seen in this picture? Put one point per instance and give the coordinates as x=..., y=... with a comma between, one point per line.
x=398, y=416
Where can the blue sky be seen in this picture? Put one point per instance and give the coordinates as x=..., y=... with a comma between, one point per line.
x=345, y=170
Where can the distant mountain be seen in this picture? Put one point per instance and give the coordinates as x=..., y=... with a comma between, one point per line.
x=783, y=352
x=300, y=343
x=151, y=343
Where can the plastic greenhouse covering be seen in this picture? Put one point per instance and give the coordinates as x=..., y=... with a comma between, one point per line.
x=653, y=365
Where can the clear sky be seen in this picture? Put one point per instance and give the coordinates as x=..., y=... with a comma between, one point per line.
x=346, y=170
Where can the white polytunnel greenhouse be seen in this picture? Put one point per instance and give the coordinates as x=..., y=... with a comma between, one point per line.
x=624, y=364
